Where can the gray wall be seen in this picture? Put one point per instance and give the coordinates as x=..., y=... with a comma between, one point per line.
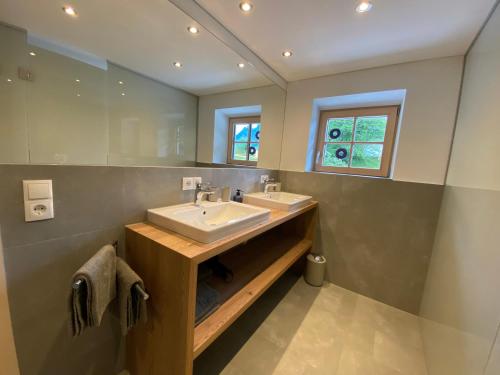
x=376, y=234
x=92, y=204
x=461, y=303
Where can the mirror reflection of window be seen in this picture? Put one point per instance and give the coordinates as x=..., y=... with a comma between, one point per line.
x=244, y=140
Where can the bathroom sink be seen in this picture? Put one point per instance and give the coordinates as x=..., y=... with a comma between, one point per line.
x=208, y=222
x=278, y=200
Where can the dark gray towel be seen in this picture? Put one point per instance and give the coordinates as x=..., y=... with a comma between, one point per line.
x=97, y=289
x=207, y=301
x=132, y=305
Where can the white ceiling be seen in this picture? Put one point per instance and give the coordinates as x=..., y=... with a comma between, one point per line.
x=145, y=36
x=328, y=36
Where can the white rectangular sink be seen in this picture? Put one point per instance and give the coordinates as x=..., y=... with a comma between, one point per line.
x=278, y=200
x=210, y=221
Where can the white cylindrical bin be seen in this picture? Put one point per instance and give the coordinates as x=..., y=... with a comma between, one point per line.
x=315, y=270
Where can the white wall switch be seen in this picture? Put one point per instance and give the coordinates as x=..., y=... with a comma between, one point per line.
x=38, y=200
x=197, y=180
x=37, y=189
x=264, y=178
x=188, y=183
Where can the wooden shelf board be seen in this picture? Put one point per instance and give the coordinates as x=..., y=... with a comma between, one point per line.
x=291, y=248
x=249, y=260
x=200, y=252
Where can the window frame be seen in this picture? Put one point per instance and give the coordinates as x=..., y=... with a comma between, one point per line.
x=392, y=113
x=230, y=143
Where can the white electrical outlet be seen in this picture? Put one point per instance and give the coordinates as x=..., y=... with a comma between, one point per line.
x=188, y=183
x=264, y=178
x=38, y=200
x=197, y=180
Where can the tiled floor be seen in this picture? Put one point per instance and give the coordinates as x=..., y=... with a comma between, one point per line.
x=328, y=330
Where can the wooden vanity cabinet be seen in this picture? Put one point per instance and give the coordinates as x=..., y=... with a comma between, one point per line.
x=168, y=264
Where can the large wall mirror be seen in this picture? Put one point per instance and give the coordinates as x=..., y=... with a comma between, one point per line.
x=129, y=84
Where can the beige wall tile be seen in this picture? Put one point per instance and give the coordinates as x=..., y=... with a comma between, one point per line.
x=460, y=302
x=476, y=145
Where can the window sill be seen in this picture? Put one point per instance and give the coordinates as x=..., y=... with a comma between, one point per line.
x=225, y=165
x=240, y=165
x=351, y=175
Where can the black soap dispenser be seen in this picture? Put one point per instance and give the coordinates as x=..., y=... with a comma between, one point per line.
x=238, y=197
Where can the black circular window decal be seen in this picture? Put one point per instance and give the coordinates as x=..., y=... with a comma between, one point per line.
x=257, y=135
x=341, y=153
x=334, y=133
x=252, y=150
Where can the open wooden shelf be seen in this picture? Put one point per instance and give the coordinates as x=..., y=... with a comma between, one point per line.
x=256, y=266
x=248, y=260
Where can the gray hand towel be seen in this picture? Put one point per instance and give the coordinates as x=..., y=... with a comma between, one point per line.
x=132, y=306
x=96, y=291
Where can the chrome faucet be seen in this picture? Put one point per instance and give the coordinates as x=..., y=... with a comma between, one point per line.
x=202, y=190
x=269, y=183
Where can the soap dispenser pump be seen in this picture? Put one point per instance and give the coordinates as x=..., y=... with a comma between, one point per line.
x=238, y=197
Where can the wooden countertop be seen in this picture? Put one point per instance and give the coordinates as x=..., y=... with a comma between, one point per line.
x=200, y=252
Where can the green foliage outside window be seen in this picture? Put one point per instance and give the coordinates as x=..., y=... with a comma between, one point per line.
x=339, y=135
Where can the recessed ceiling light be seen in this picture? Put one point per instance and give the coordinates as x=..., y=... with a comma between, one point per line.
x=241, y=65
x=120, y=82
x=177, y=64
x=32, y=53
x=123, y=94
x=193, y=30
x=246, y=6
x=287, y=53
x=69, y=10
x=77, y=80
x=364, y=6
x=9, y=80
x=78, y=95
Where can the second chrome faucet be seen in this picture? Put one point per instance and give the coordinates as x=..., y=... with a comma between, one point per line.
x=205, y=191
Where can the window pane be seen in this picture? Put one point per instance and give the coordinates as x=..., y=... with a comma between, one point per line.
x=253, y=152
x=255, y=136
x=336, y=155
x=240, y=151
x=241, y=132
x=367, y=156
x=339, y=129
x=370, y=129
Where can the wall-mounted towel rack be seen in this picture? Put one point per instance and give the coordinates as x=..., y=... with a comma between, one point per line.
x=137, y=287
x=141, y=291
